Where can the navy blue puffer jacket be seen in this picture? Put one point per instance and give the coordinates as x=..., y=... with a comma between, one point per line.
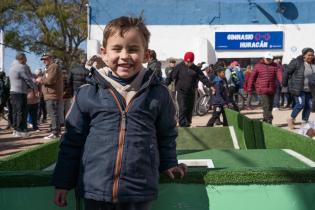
x=114, y=151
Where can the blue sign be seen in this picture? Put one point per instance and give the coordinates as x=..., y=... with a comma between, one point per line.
x=266, y=40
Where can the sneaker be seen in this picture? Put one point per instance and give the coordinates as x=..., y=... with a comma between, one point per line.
x=275, y=109
x=50, y=137
x=17, y=134
x=24, y=134
x=14, y=133
x=29, y=125
x=291, y=123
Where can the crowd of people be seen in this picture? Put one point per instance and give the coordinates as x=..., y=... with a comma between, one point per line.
x=30, y=96
x=274, y=85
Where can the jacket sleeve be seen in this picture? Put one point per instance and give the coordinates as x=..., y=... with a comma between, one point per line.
x=252, y=79
x=279, y=74
x=167, y=132
x=77, y=127
x=203, y=78
x=26, y=76
x=173, y=76
x=70, y=82
x=158, y=68
x=51, y=76
x=289, y=70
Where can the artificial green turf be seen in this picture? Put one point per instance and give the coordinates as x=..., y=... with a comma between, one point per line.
x=260, y=135
x=275, y=137
x=36, y=158
x=198, y=176
x=236, y=120
x=203, y=138
x=260, y=158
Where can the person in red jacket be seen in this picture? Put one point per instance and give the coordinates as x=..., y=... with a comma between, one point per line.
x=264, y=77
x=248, y=73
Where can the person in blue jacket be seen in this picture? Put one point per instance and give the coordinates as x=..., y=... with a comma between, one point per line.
x=220, y=96
x=121, y=128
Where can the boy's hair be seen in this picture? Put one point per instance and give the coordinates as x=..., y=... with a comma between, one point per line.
x=124, y=24
x=217, y=67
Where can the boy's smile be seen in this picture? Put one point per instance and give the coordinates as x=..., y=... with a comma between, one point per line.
x=125, y=55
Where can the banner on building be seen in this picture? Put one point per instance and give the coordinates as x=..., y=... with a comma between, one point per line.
x=266, y=40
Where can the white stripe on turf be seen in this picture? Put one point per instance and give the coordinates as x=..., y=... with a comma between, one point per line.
x=234, y=138
x=300, y=157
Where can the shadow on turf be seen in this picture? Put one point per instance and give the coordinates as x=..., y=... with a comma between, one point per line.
x=196, y=138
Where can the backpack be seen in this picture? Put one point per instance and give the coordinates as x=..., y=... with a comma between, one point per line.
x=234, y=82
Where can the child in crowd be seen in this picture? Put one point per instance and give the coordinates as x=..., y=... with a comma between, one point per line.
x=220, y=96
x=121, y=128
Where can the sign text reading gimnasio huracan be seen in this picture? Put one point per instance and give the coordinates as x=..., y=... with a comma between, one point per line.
x=249, y=40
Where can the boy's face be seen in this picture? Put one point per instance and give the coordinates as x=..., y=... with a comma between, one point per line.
x=125, y=55
x=221, y=74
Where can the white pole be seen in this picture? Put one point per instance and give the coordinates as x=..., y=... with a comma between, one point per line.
x=1, y=50
x=88, y=20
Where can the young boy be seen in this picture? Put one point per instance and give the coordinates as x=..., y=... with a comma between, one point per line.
x=121, y=128
x=220, y=97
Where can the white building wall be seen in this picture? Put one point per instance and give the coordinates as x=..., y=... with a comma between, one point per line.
x=173, y=41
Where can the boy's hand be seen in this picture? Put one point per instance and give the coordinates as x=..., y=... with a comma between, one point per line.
x=180, y=169
x=61, y=197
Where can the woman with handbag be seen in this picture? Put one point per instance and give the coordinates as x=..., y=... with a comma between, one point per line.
x=301, y=84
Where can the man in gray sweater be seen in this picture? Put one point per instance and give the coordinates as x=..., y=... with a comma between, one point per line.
x=21, y=81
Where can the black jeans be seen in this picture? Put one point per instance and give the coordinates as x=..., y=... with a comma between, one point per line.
x=42, y=109
x=100, y=205
x=267, y=104
x=32, y=110
x=277, y=96
x=231, y=98
x=217, y=111
x=53, y=111
x=185, y=108
x=19, y=111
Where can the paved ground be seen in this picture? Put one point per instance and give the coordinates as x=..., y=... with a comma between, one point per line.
x=10, y=145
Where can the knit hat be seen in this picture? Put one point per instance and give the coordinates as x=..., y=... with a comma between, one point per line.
x=189, y=56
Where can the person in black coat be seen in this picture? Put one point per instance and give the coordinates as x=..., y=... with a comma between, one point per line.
x=301, y=84
x=154, y=65
x=186, y=76
x=77, y=76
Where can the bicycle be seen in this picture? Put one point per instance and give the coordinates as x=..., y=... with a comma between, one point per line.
x=203, y=104
x=239, y=100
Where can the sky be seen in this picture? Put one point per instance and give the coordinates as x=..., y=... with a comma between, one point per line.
x=33, y=60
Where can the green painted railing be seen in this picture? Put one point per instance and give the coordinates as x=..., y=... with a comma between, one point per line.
x=254, y=134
